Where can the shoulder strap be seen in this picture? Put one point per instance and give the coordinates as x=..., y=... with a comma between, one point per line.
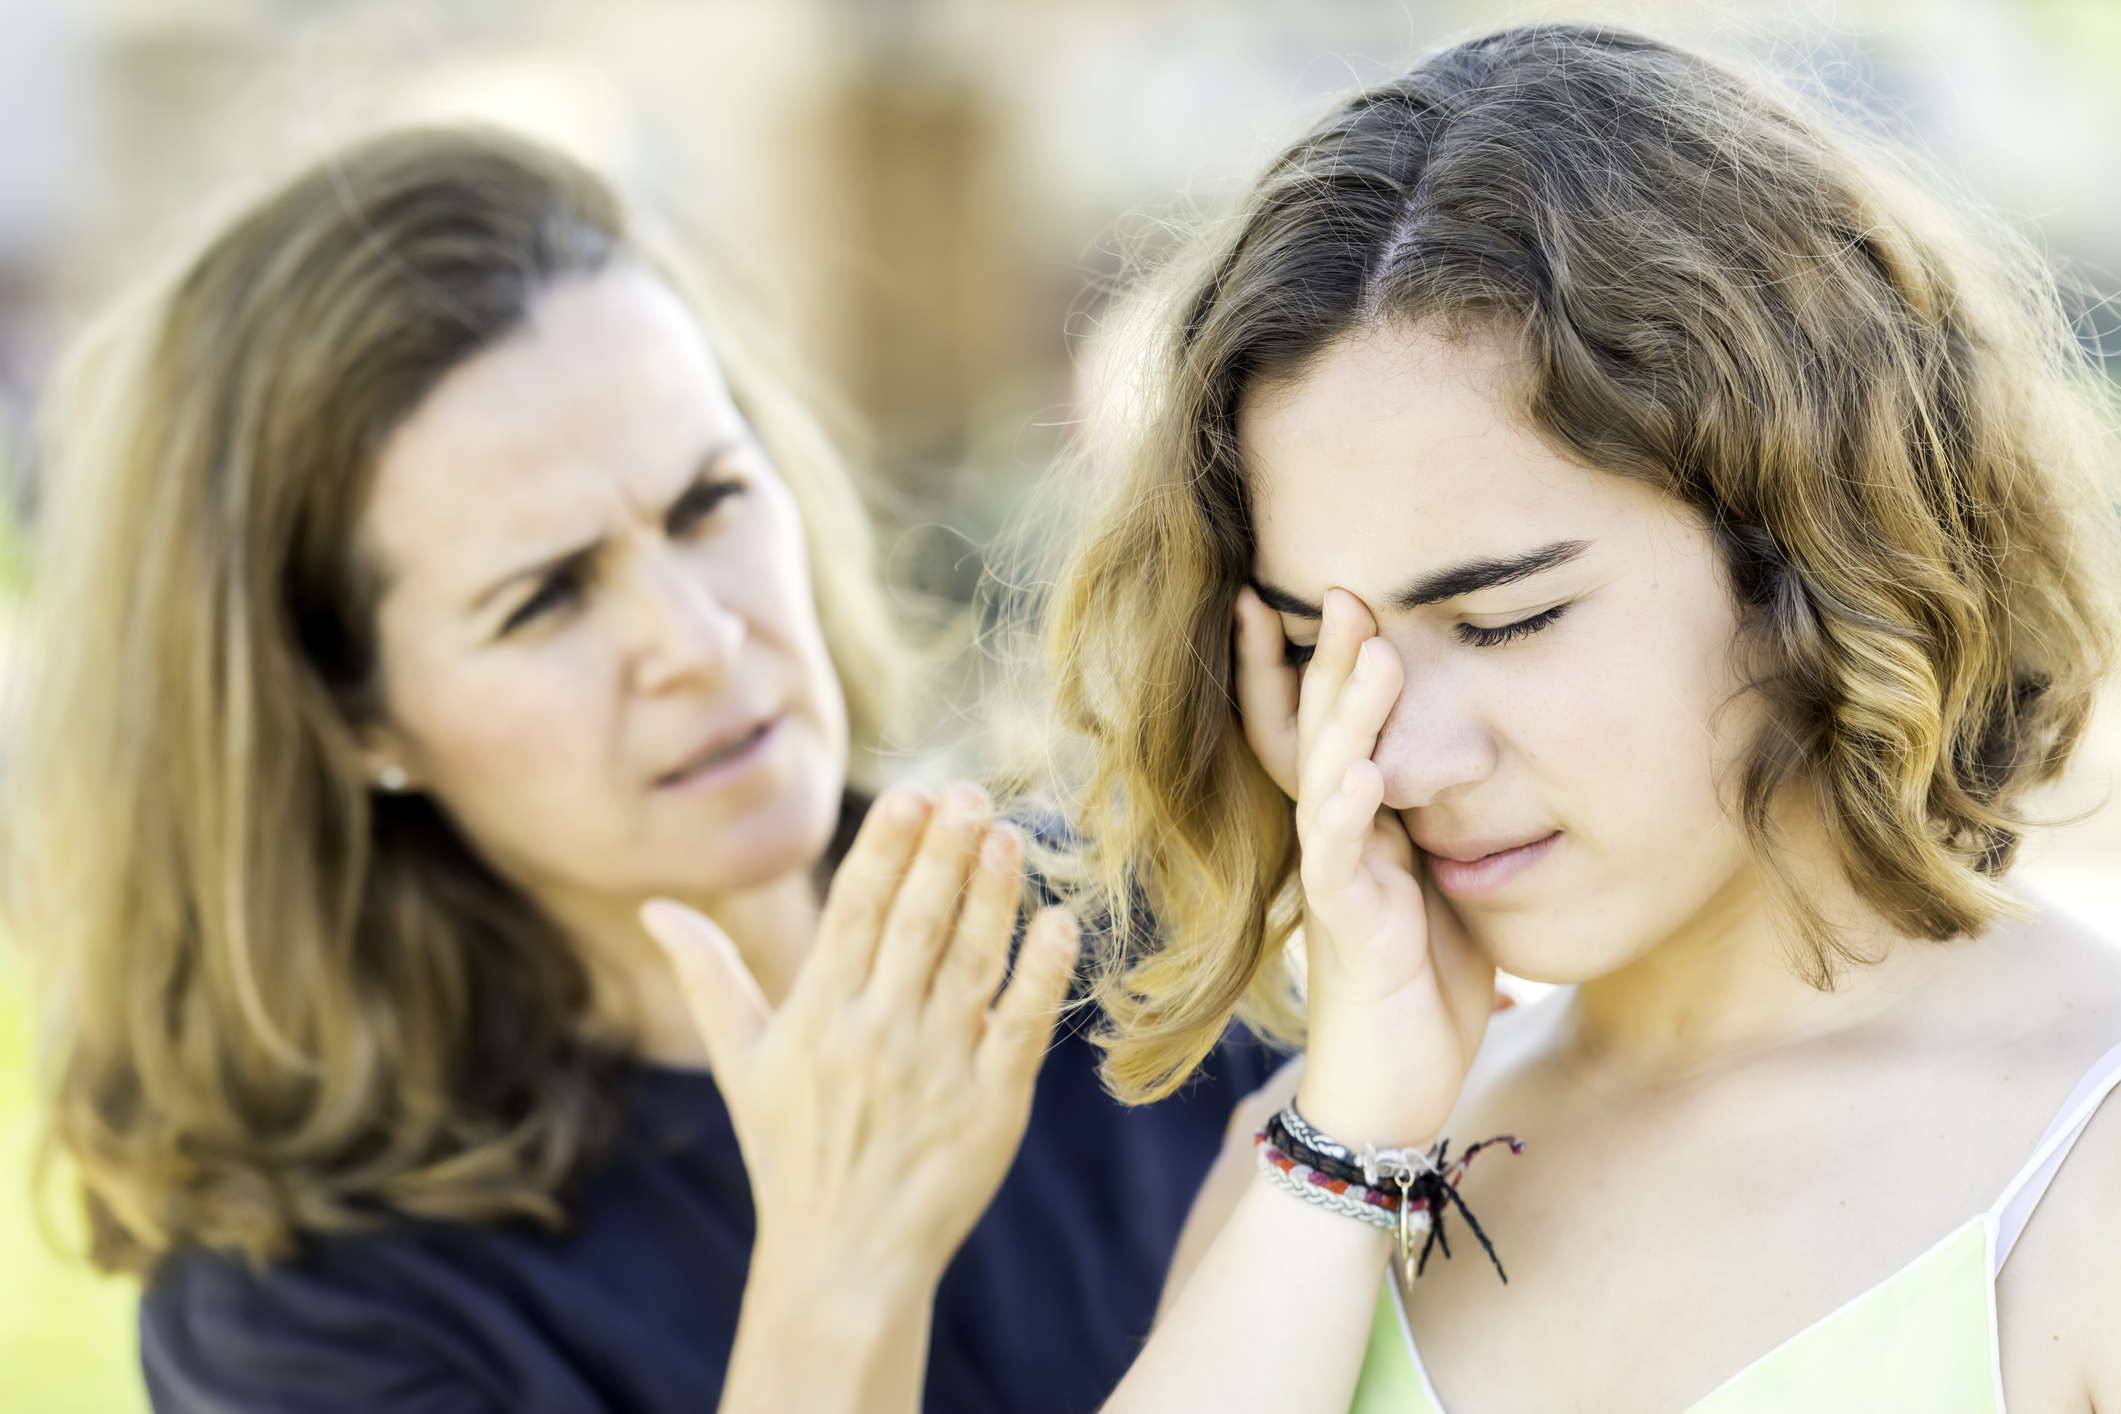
x=2015, y=1208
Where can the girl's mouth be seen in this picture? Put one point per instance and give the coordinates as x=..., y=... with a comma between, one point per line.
x=1488, y=874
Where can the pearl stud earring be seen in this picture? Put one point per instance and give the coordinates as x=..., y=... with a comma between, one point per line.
x=391, y=778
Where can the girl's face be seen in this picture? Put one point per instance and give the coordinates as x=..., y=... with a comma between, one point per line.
x=1572, y=708
x=599, y=649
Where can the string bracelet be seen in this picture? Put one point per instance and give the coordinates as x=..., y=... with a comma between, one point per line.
x=1404, y=1190
x=1378, y=1207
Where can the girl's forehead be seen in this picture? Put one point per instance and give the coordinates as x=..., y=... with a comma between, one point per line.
x=1406, y=448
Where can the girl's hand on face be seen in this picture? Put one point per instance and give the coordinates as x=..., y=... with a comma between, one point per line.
x=1399, y=997
x=879, y=1108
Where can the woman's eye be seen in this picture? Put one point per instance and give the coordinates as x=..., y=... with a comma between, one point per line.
x=1476, y=637
x=697, y=505
x=1295, y=655
x=558, y=590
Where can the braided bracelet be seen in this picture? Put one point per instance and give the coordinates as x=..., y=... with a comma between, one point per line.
x=1326, y=1190
x=1307, y=1163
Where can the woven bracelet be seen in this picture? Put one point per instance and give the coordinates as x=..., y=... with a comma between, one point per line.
x=1402, y=1190
x=1374, y=1206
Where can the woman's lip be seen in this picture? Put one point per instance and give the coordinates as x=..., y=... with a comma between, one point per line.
x=722, y=758
x=1489, y=874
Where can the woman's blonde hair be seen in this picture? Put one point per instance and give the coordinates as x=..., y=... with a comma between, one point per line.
x=277, y=1001
x=1877, y=404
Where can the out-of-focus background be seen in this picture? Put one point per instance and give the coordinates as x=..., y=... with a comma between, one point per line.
x=928, y=194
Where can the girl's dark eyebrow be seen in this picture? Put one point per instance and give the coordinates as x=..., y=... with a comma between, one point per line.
x=1458, y=580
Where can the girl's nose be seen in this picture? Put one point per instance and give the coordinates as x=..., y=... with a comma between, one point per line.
x=1435, y=741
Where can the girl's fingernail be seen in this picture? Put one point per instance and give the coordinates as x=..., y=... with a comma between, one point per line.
x=1362, y=663
x=1347, y=781
x=997, y=855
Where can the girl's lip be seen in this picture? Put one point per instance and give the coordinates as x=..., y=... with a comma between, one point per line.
x=1490, y=874
x=720, y=762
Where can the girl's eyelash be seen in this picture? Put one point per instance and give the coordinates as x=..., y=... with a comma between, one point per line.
x=1476, y=637
x=1295, y=655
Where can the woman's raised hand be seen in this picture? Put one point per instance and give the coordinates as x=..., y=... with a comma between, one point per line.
x=1399, y=997
x=880, y=1106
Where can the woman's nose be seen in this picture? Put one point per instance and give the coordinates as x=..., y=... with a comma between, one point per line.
x=1435, y=741
x=686, y=633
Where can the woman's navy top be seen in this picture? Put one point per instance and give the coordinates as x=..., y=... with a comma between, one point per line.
x=634, y=1307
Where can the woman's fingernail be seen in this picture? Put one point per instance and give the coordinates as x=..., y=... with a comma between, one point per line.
x=965, y=808
x=665, y=923
x=908, y=805
x=1362, y=663
x=1347, y=781
x=998, y=854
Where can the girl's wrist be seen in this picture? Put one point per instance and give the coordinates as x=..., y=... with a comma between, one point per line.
x=1358, y=1110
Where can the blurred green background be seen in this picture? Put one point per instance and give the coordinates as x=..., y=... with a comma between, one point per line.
x=931, y=195
x=66, y=1334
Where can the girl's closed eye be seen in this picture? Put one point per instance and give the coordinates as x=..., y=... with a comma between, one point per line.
x=1474, y=636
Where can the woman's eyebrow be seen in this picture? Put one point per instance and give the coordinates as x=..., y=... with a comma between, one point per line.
x=579, y=555
x=702, y=476
x=1468, y=578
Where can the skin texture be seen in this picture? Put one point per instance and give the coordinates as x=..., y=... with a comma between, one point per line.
x=596, y=587
x=547, y=737
x=1719, y=1154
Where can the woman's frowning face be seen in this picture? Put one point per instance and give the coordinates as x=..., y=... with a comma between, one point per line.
x=599, y=649
x=1567, y=738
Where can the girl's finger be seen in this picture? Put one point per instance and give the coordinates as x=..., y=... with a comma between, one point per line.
x=1345, y=626
x=977, y=955
x=861, y=894
x=1020, y=1026
x=922, y=916
x=1340, y=829
x=1347, y=730
x=1267, y=688
x=720, y=992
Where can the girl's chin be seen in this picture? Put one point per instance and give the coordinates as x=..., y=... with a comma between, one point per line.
x=1543, y=950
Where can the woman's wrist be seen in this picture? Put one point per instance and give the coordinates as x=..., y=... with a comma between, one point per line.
x=863, y=1275
x=819, y=1333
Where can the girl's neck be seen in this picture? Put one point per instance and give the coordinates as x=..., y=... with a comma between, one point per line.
x=636, y=996
x=1727, y=986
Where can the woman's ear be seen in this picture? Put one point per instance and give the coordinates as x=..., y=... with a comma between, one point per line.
x=386, y=759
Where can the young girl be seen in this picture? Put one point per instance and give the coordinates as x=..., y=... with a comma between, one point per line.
x=423, y=591
x=1663, y=551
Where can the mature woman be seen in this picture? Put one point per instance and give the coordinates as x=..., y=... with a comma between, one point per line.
x=424, y=591
x=1653, y=548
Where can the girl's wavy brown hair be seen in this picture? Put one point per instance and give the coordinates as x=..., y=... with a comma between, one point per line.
x=280, y=1003
x=1877, y=402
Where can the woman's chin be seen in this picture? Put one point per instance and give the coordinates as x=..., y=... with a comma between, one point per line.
x=784, y=835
